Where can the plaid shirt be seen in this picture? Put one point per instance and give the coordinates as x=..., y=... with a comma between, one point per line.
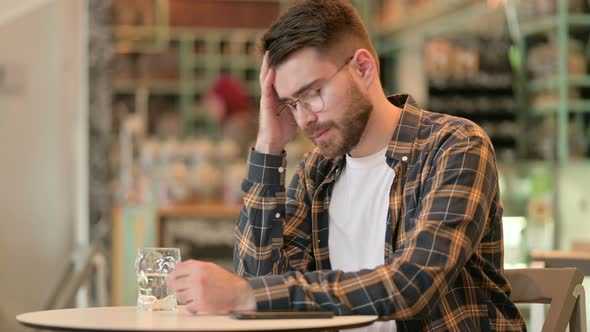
x=443, y=245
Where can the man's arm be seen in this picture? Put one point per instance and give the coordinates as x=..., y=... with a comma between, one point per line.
x=450, y=223
x=273, y=230
x=263, y=246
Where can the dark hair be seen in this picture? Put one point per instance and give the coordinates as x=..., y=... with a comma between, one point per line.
x=324, y=25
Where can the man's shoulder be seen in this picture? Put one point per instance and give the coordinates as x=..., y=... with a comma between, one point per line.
x=440, y=127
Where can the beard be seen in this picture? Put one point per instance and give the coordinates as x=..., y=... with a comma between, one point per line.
x=346, y=132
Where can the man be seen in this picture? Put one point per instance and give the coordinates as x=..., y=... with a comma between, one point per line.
x=396, y=212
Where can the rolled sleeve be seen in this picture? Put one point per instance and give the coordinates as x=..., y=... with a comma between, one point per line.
x=270, y=293
x=266, y=168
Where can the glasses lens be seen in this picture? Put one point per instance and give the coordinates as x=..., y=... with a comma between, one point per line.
x=313, y=101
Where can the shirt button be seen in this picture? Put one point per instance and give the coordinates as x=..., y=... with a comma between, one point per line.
x=277, y=215
x=281, y=169
x=405, y=158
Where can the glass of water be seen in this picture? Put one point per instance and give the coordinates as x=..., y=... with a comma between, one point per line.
x=152, y=267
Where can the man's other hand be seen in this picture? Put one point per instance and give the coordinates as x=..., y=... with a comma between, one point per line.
x=206, y=288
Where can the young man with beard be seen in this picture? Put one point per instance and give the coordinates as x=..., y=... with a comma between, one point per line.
x=396, y=212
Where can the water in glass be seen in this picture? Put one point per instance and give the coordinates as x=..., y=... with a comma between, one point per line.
x=152, y=268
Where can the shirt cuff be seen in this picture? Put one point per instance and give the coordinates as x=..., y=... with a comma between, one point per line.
x=270, y=292
x=266, y=168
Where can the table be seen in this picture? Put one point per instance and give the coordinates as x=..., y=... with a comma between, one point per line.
x=128, y=319
x=559, y=259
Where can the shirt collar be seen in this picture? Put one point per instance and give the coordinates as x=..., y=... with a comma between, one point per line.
x=404, y=135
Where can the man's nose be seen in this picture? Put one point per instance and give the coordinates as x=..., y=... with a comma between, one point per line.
x=304, y=117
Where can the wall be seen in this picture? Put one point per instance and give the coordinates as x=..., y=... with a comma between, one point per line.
x=40, y=106
x=10, y=9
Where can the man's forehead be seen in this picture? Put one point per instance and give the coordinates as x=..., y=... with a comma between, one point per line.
x=299, y=69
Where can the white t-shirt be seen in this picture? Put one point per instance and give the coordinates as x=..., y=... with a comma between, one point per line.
x=358, y=218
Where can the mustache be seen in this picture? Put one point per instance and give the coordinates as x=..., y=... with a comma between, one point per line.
x=318, y=128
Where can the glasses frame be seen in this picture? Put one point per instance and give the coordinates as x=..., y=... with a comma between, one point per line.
x=292, y=106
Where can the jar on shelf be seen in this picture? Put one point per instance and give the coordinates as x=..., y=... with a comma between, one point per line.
x=438, y=59
x=465, y=60
x=535, y=9
x=543, y=60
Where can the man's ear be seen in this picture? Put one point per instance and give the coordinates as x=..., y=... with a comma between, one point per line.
x=365, y=66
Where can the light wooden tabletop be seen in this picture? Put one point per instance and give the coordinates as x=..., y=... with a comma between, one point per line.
x=128, y=319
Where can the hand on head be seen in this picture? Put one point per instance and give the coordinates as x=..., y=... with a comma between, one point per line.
x=274, y=131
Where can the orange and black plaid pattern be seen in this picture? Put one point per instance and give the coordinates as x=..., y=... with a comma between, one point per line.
x=443, y=245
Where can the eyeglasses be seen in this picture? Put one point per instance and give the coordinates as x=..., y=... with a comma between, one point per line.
x=312, y=100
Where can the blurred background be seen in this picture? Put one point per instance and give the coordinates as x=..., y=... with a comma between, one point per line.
x=126, y=123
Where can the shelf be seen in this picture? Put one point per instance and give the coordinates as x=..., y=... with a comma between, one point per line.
x=503, y=141
x=550, y=23
x=203, y=210
x=196, y=86
x=581, y=81
x=225, y=60
x=437, y=19
x=491, y=84
x=136, y=31
x=417, y=16
x=162, y=87
x=575, y=106
x=478, y=107
x=481, y=115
